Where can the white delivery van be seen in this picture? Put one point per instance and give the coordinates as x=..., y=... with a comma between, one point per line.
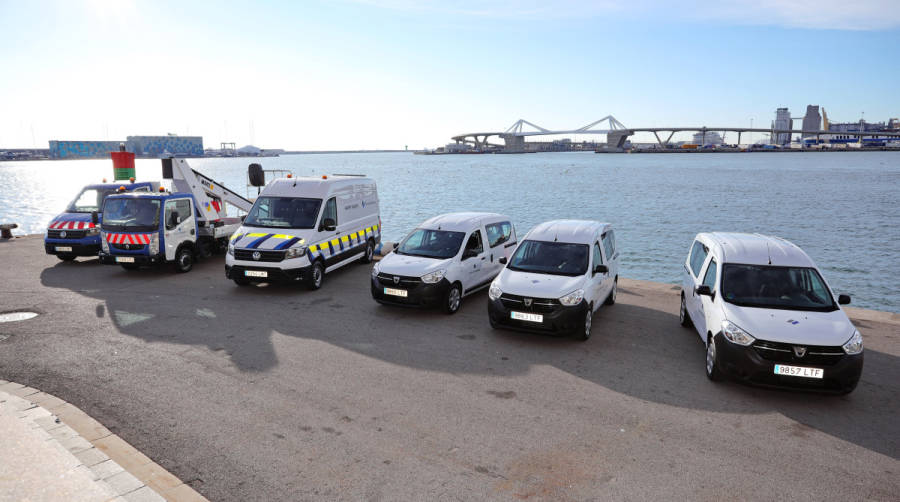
x=301, y=228
x=558, y=277
x=444, y=259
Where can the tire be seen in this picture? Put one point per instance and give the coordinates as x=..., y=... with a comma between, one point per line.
x=184, y=260
x=683, y=317
x=585, y=333
x=369, y=253
x=66, y=257
x=712, y=365
x=611, y=299
x=130, y=266
x=453, y=299
x=316, y=276
x=494, y=325
x=241, y=281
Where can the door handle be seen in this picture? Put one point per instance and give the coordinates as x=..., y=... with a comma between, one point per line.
x=192, y=231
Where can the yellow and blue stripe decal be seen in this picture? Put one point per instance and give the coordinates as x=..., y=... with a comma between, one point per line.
x=324, y=249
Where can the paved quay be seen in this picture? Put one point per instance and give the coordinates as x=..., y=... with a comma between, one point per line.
x=277, y=393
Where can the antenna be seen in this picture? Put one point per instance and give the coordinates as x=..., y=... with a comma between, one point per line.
x=768, y=252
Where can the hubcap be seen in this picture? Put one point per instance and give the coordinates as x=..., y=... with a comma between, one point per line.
x=185, y=260
x=454, y=299
x=681, y=311
x=615, y=287
x=587, y=323
x=710, y=356
x=369, y=252
x=317, y=276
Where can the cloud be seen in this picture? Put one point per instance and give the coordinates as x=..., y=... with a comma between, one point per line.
x=808, y=14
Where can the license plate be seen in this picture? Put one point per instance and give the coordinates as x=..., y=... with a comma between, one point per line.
x=256, y=273
x=66, y=249
x=395, y=292
x=799, y=371
x=524, y=316
x=124, y=259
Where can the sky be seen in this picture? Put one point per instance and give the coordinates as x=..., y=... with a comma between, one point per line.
x=370, y=74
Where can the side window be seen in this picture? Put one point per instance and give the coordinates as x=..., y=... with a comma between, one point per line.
x=184, y=208
x=608, y=245
x=474, y=243
x=598, y=258
x=612, y=240
x=330, y=211
x=498, y=233
x=171, y=213
x=698, y=256
x=710, y=278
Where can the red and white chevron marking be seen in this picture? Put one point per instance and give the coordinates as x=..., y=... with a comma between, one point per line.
x=71, y=225
x=128, y=238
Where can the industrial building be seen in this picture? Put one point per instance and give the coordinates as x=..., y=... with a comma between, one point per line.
x=812, y=120
x=142, y=146
x=783, y=122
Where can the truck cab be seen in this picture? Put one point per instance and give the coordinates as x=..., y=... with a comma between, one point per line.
x=76, y=231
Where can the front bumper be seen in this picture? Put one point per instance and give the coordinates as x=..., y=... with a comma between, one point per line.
x=417, y=294
x=78, y=248
x=273, y=274
x=557, y=320
x=745, y=364
x=139, y=259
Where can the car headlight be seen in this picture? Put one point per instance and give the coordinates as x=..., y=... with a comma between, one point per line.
x=154, y=243
x=433, y=277
x=295, y=252
x=376, y=270
x=494, y=292
x=854, y=345
x=231, y=248
x=734, y=334
x=103, y=244
x=573, y=298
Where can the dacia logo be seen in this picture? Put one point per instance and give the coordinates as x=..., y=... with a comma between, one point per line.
x=396, y=280
x=62, y=234
x=528, y=301
x=799, y=351
x=257, y=255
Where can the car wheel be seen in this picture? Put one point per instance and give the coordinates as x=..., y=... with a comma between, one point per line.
x=611, y=299
x=453, y=299
x=370, y=252
x=184, y=260
x=130, y=266
x=588, y=323
x=683, y=317
x=66, y=257
x=712, y=364
x=316, y=276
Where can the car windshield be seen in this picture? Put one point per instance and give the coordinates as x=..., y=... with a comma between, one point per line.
x=766, y=286
x=284, y=212
x=431, y=243
x=556, y=258
x=131, y=214
x=89, y=200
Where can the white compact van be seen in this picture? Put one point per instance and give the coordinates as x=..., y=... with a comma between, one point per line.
x=301, y=228
x=444, y=259
x=766, y=315
x=559, y=275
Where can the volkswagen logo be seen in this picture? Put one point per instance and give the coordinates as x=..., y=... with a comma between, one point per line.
x=62, y=235
x=396, y=280
x=799, y=351
x=257, y=255
x=527, y=301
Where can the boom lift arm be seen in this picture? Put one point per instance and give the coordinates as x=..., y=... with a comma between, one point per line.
x=211, y=196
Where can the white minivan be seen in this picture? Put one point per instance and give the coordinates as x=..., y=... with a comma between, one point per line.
x=558, y=277
x=766, y=314
x=444, y=259
x=300, y=228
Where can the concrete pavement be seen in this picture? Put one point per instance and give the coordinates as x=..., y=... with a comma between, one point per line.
x=275, y=393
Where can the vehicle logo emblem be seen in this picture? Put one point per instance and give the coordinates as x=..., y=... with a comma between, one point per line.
x=256, y=255
x=528, y=301
x=396, y=280
x=799, y=351
x=791, y=321
x=62, y=234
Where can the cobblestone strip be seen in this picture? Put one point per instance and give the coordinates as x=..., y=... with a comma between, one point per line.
x=115, y=465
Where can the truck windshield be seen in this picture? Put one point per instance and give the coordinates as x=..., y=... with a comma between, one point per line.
x=89, y=200
x=286, y=212
x=765, y=286
x=555, y=258
x=131, y=214
x=431, y=243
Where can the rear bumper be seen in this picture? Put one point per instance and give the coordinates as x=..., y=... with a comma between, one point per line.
x=78, y=248
x=745, y=364
x=421, y=295
x=139, y=259
x=273, y=274
x=561, y=320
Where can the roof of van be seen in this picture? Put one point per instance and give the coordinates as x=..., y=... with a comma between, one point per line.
x=313, y=187
x=459, y=222
x=759, y=249
x=576, y=231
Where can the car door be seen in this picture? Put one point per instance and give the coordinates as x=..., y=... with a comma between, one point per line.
x=705, y=303
x=473, y=261
x=692, y=268
x=612, y=260
x=332, y=238
x=596, y=281
x=180, y=225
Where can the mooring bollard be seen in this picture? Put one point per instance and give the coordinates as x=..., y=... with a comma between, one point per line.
x=6, y=230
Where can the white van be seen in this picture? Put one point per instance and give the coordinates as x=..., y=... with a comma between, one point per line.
x=766, y=315
x=559, y=275
x=444, y=259
x=301, y=228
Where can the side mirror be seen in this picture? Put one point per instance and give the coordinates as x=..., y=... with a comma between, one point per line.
x=843, y=299
x=396, y=245
x=95, y=218
x=703, y=290
x=502, y=260
x=601, y=269
x=328, y=225
x=244, y=217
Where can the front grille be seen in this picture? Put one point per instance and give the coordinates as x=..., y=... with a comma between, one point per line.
x=264, y=255
x=517, y=302
x=403, y=280
x=778, y=352
x=54, y=233
x=127, y=247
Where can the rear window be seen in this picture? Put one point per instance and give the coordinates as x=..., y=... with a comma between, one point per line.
x=698, y=256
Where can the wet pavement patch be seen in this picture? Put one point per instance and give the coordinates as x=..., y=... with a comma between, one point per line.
x=17, y=316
